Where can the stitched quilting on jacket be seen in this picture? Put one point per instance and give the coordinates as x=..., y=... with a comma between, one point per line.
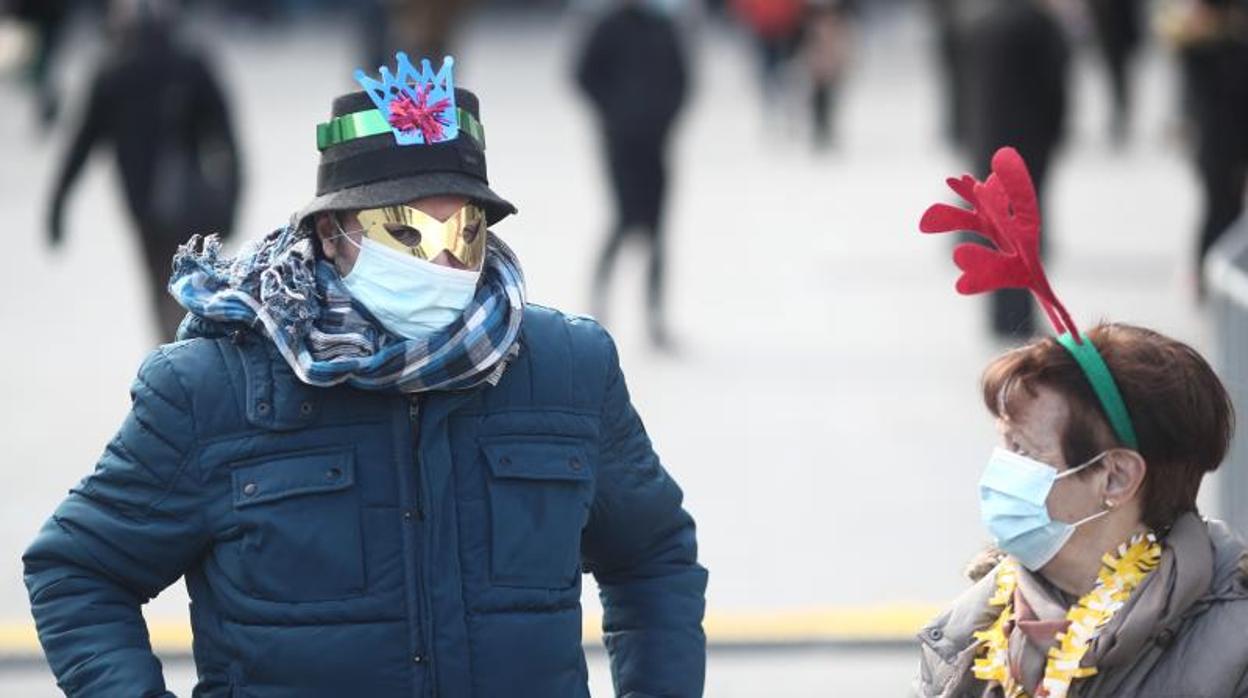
x=341, y=542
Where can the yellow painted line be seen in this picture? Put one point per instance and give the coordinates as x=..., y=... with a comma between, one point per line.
x=885, y=623
x=20, y=639
x=844, y=624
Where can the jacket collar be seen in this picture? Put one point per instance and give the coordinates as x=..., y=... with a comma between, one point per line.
x=273, y=397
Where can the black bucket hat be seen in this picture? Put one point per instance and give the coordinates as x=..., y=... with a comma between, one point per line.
x=371, y=171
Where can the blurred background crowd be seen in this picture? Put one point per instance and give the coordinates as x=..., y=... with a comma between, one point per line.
x=766, y=160
x=1004, y=66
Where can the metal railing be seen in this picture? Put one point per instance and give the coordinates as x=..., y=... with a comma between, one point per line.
x=1226, y=278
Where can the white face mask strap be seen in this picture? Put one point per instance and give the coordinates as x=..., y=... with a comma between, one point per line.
x=1076, y=469
x=1082, y=466
x=1086, y=519
x=342, y=232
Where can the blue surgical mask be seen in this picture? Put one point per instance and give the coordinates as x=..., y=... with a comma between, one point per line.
x=410, y=297
x=1013, y=493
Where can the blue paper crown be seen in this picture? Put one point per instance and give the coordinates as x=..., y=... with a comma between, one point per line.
x=423, y=87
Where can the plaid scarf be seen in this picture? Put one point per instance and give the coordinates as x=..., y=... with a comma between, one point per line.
x=302, y=305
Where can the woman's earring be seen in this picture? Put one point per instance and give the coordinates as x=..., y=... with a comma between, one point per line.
x=1109, y=504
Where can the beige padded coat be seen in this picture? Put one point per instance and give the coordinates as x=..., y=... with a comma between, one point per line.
x=1195, y=644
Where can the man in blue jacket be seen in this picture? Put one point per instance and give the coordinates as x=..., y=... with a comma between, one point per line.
x=380, y=471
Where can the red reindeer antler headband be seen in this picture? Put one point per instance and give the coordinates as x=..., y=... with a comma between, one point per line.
x=1005, y=212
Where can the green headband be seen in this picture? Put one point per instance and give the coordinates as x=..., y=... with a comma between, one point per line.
x=370, y=122
x=1089, y=359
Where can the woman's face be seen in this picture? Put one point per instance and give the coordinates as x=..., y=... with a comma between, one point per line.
x=1034, y=429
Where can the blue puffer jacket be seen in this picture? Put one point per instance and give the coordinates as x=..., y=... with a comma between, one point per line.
x=338, y=542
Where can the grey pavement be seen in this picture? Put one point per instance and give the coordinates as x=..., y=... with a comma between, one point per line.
x=823, y=415
x=730, y=675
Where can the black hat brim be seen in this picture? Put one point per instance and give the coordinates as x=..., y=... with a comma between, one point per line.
x=393, y=192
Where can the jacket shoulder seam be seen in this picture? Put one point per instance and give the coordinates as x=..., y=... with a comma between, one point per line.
x=191, y=448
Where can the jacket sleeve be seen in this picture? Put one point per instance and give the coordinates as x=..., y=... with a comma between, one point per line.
x=641, y=546
x=122, y=535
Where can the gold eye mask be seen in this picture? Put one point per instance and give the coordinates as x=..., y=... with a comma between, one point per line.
x=412, y=231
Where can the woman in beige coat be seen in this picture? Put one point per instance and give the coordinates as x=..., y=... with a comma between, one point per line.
x=1114, y=585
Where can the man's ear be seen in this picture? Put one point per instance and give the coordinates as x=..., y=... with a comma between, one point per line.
x=1125, y=471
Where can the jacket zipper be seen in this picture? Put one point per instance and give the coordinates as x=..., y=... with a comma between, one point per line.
x=425, y=611
x=413, y=414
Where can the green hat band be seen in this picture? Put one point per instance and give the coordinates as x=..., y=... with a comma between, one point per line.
x=1103, y=384
x=370, y=122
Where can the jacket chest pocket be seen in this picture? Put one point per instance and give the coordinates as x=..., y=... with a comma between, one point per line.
x=539, y=496
x=300, y=520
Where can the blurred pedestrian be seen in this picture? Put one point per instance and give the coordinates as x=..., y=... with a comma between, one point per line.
x=49, y=19
x=1104, y=580
x=1212, y=39
x=1118, y=32
x=946, y=17
x=827, y=45
x=776, y=29
x=380, y=471
x=161, y=108
x=1015, y=58
x=633, y=70
x=266, y=13
x=425, y=28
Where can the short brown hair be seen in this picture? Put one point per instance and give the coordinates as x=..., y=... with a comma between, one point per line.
x=1182, y=414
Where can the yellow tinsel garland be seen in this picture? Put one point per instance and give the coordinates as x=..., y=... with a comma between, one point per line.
x=1119, y=576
